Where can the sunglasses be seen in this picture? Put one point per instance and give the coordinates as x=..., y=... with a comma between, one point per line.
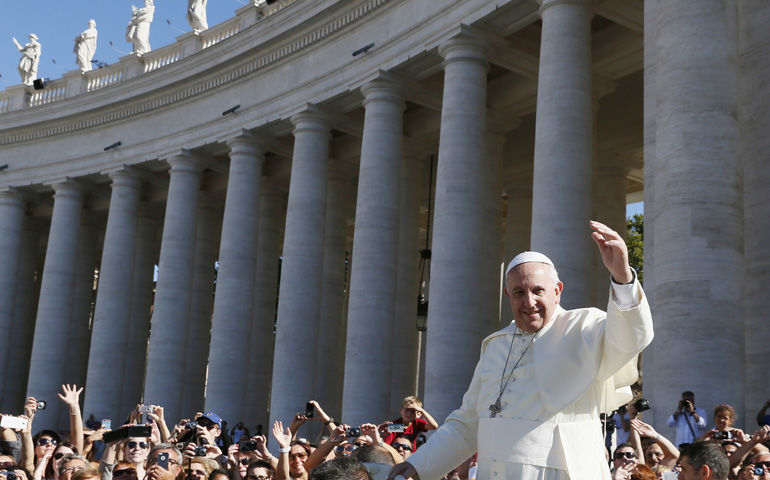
x=138, y=444
x=258, y=477
x=6, y=464
x=298, y=456
x=619, y=455
x=245, y=461
x=124, y=471
x=207, y=424
x=46, y=441
x=402, y=446
x=345, y=448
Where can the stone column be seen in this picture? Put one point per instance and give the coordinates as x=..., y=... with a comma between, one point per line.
x=199, y=332
x=330, y=364
x=755, y=116
x=371, y=309
x=164, y=382
x=145, y=256
x=561, y=197
x=699, y=227
x=233, y=304
x=271, y=219
x=79, y=332
x=12, y=206
x=610, y=210
x=494, y=256
x=112, y=314
x=518, y=221
x=406, y=338
x=49, y=349
x=459, y=280
x=24, y=320
x=299, y=299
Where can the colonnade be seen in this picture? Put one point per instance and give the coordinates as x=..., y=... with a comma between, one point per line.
x=314, y=293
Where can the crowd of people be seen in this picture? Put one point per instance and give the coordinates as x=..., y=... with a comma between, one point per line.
x=202, y=448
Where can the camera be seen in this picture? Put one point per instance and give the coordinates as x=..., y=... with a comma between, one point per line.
x=248, y=446
x=144, y=409
x=200, y=451
x=41, y=404
x=353, y=432
x=641, y=405
x=722, y=435
x=758, y=470
x=190, y=425
x=12, y=475
x=396, y=428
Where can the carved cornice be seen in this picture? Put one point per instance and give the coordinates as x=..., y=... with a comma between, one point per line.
x=227, y=77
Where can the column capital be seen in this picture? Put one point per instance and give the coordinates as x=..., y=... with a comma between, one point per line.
x=185, y=162
x=464, y=48
x=68, y=187
x=380, y=90
x=12, y=197
x=125, y=177
x=249, y=143
x=544, y=4
x=312, y=120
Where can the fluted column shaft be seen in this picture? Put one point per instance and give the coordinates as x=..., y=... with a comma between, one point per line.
x=164, y=382
x=199, y=331
x=331, y=332
x=112, y=313
x=299, y=299
x=460, y=227
x=12, y=207
x=46, y=373
x=271, y=220
x=699, y=224
x=561, y=198
x=371, y=308
x=406, y=337
x=145, y=255
x=233, y=304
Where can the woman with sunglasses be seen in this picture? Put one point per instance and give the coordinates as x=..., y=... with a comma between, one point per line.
x=134, y=451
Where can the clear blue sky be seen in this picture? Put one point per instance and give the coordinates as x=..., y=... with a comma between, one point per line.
x=58, y=22
x=634, y=208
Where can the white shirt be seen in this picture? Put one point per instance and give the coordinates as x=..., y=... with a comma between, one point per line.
x=683, y=433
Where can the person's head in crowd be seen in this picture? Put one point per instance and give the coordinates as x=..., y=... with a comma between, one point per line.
x=209, y=427
x=297, y=458
x=45, y=441
x=403, y=445
x=729, y=447
x=6, y=461
x=344, y=449
x=20, y=472
x=343, y=468
x=198, y=468
x=88, y=473
x=70, y=464
x=219, y=474
x=373, y=454
x=533, y=290
x=174, y=462
x=760, y=466
x=703, y=461
x=260, y=470
x=124, y=471
x=724, y=417
x=660, y=470
x=408, y=411
x=643, y=472
x=653, y=456
x=624, y=454
x=135, y=450
x=59, y=452
x=420, y=441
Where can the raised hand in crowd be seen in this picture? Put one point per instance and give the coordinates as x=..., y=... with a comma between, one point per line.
x=296, y=422
x=27, y=448
x=755, y=444
x=156, y=413
x=670, y=452
x=624, y=471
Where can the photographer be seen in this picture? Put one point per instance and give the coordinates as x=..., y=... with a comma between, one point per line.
x=690, y=422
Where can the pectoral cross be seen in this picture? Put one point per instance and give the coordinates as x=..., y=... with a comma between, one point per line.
x=495, y=408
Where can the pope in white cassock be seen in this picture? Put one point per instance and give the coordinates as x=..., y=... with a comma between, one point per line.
x=532, y=408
